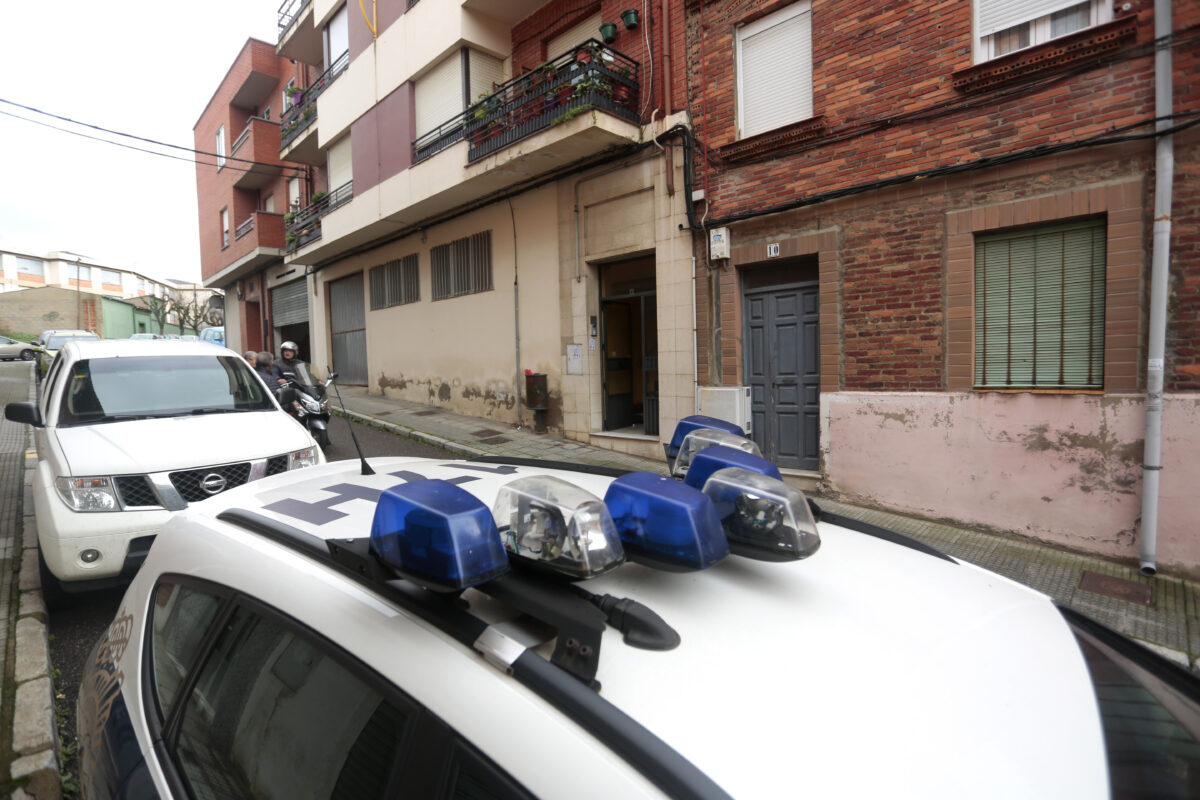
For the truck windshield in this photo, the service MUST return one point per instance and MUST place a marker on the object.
(114, 389)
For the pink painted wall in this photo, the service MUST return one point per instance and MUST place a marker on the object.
(1063, 469)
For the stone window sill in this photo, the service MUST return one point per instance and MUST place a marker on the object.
(773, 141)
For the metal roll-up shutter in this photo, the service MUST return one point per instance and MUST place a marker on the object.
(289, 303)
(348, 328)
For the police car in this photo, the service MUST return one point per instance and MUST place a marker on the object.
(512, 629)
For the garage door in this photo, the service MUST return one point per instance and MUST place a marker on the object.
(289, 303)
(348, 326)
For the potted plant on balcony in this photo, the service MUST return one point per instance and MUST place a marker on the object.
(295, 94)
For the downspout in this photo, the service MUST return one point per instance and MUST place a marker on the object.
(516, 310)
(1164, 173)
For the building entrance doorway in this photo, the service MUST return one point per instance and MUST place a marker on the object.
(780, 316)
(629, 340)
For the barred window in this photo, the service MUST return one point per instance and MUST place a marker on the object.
(395, 283)
(1039, 308)
(463, 266)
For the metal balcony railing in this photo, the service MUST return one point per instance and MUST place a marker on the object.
(589, 76)
(304, 226)
(288, 12)
(244, 228)
(304, 105)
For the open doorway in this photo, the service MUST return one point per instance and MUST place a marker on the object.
(629, 337)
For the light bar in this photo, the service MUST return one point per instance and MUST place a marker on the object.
(711, 459)
(548, 522)
(700, 438)
(689, 424)
(437, 535)
(763, 518)
(665, 524)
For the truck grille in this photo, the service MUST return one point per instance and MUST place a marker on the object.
(135, 491)
(192, 484)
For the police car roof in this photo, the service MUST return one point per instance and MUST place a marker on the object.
(869, 669)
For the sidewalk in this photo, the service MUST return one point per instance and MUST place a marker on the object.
(1160, 612)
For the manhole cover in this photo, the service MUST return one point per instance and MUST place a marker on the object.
(425, 413)
(485, 433)
(494, 440)
(1119, 588)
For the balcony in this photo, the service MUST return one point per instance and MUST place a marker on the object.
(592, 76)
(257, 242)
(297, 133)
(299, 36)
(304, 226)
(256, 143)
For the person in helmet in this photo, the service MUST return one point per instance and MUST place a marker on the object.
(289, 357)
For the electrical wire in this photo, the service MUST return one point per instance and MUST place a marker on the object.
(227, 159)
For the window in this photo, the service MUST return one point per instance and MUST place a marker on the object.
(395, 283)
(1039, 308)
(220, 147)
(1005, 26)
(182, 616)
(30, 266)
(774, 70)
(79, 273)
(224, 228)
(463, 266)
(111, 277)
(336, 37)
(294, 193)
(286, 101)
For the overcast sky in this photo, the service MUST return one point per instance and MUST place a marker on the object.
(135, 66)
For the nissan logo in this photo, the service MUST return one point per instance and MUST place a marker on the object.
(212, 483)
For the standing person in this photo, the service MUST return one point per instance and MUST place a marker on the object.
(267, 370)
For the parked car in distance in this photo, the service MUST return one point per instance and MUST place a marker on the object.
(448, 629)
(14, 348)
(128, 432)
(147, 336)
(216, 335)
(51, 341)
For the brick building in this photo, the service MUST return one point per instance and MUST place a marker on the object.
(244, 190)
(939, 222)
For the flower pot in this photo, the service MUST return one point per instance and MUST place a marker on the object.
(608, 32)
(583, 55)
(630, 18)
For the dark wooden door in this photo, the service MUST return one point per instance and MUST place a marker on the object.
(783, 375)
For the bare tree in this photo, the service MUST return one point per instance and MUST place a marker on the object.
(160, 308)
(191, 311)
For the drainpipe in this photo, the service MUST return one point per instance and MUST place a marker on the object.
(1164, 173)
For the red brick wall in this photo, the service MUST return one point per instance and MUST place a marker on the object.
(883, 88)
(215, 188)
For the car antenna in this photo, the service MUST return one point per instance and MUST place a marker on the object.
(366, 468)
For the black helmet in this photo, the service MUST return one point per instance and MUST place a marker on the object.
(289, 346)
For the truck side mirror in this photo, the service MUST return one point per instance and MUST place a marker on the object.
(26, 413)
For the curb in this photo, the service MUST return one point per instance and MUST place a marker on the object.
(420, 436)
(37, 760)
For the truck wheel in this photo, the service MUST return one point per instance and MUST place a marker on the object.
(52, 592)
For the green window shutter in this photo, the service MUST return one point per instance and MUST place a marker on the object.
(1039, 308)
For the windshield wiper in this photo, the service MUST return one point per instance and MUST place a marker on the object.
(213, 410)
(115, 418)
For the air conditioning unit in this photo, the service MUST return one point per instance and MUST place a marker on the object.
(730, 403)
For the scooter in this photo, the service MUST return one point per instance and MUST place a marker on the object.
(305, 399)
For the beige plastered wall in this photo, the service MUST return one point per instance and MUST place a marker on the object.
(626, 211)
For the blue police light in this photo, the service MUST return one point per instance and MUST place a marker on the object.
(664, 524)
(764, 518)
(689, 424)
(711, 459)
(437, 535)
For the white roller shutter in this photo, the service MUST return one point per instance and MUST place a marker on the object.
(289, 303)
(581, 31)
(338, 163)
(993, 16)
(774, 86)
(438, 94)
(487, 71)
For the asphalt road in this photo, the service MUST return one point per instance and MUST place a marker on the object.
(75, 630)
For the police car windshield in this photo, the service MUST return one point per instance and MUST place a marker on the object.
(113, 389)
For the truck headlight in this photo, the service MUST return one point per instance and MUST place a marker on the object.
(302, 458)
(88, 494)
